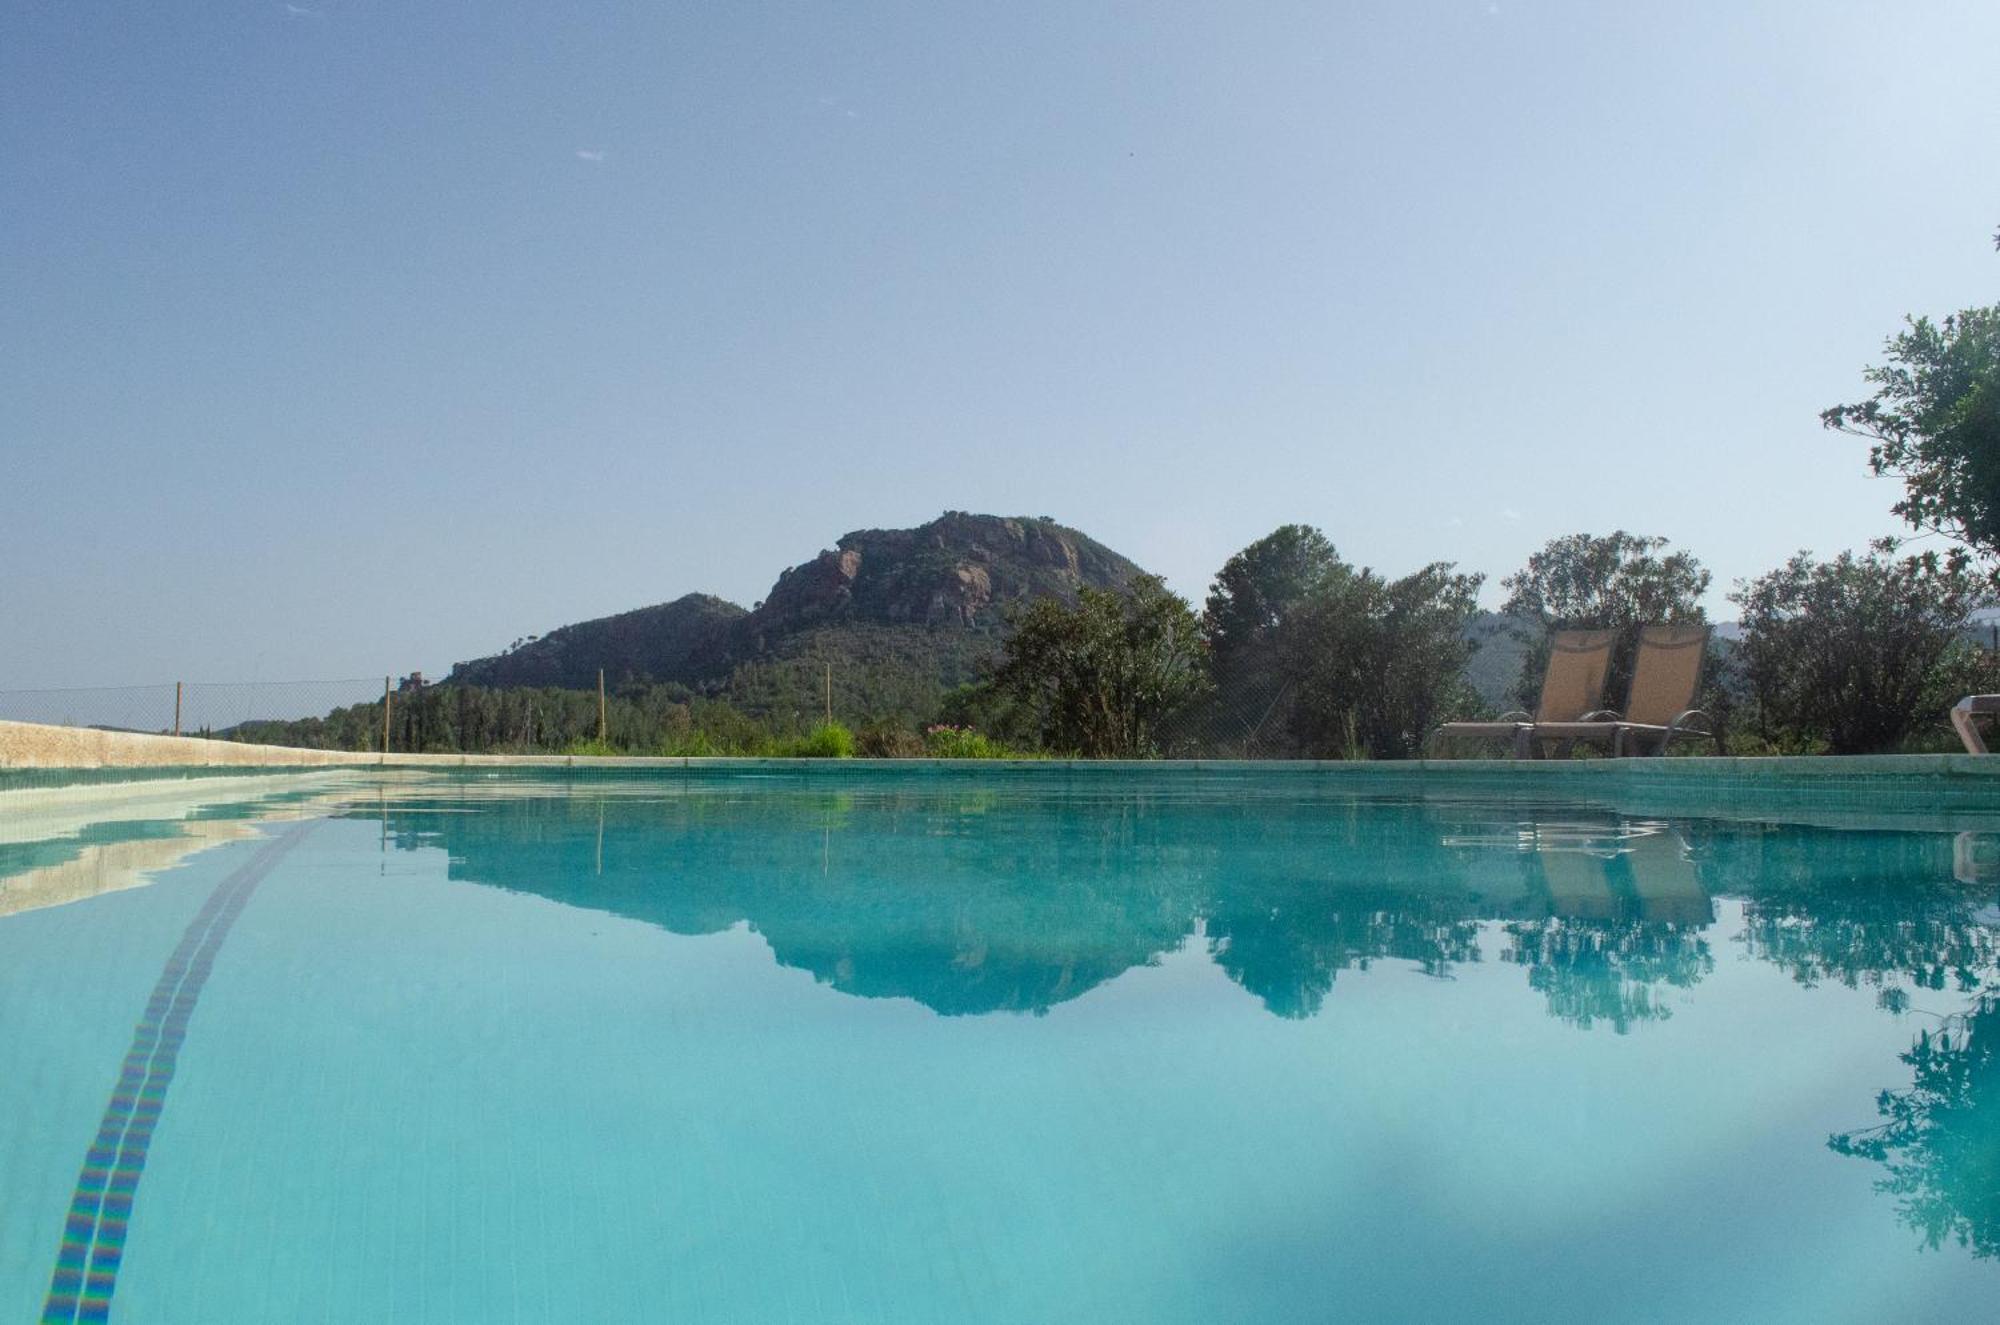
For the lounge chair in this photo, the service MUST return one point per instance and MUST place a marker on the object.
(1572, 688)
(1660, 706)
(1964, 716)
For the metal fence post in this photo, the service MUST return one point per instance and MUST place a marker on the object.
(600, 706)
(385, 715)
(177, 708)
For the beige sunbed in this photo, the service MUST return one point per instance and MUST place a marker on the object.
(1572, 688)
(1661, 704)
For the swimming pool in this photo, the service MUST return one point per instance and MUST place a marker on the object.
(1033, 1047)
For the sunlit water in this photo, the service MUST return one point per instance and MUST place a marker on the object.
(1009, 1049)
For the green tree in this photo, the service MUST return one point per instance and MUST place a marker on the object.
(1105, 677)
(1617, 581)
(1254, 600)
(1257, 591)
(1934, 422)
(1313, 656)
(1377, 664)
(1857, 651)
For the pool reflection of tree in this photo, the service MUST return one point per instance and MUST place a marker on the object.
(878, 895)
(1285, 941)
(1940, 1137)
(1893, 912)
(1861, 909)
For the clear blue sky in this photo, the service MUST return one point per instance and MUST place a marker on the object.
(343, 338)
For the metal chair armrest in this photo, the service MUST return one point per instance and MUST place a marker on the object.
(1680, 722)
(1683, 725)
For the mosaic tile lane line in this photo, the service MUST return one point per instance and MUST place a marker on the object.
(93, 1242)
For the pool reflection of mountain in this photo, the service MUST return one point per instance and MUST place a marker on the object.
(975, 901)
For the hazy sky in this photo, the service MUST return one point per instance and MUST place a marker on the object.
(343, 338)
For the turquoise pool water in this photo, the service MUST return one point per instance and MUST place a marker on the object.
(1019, 1049)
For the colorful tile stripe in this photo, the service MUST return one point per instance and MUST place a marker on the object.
(93, 1243)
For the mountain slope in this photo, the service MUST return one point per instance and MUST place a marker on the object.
(657, 642)
(902, 613)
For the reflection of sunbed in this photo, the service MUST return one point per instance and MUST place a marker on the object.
(1578, 886)
(1975, 857)
(1572, 688)
(1665, 881)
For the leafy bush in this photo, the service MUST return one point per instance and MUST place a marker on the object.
(1858, 652)
(829, 740)
(946, 742)
(888, 740)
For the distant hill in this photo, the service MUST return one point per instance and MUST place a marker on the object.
(649, 643)
(900, 615)
(1496, 662)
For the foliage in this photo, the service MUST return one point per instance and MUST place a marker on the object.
(1617, 581)
(888, 740)
(642, 720)
(1934, 422)
(1103, 677)
(1857, 651)
(1315, 657)
(942, 741)
(882, 739)
(829, 740)
(1378, 664)
(1252, 604)
(900, 673)
(1256, 592)
(983, 706)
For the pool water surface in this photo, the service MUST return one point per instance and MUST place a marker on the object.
(1020, 1049)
